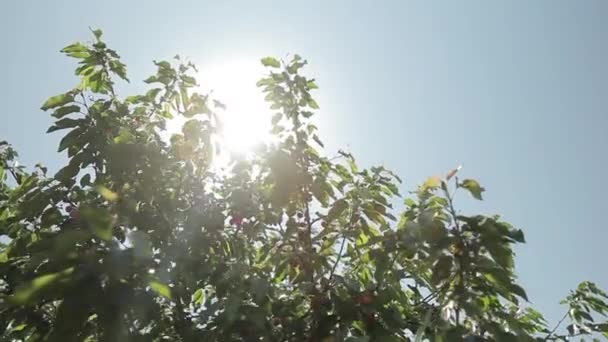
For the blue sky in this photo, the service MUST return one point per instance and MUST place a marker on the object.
(513, 90)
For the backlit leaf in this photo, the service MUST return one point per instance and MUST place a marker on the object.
(106, 193)
(29, 291)
(270, 62)
(473, 186)
(198, 297)
(160, 289)
(76, 50)
(313, 104)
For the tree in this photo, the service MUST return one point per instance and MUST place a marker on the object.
(140, 238)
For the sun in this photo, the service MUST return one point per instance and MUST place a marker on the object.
(246, 119)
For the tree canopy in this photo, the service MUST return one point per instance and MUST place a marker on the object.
(140, 237)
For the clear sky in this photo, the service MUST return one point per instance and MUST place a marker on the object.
(516, 91)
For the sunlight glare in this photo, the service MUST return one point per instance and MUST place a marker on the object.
(246, 119)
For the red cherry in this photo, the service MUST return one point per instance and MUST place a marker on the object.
(365, 299)
(236, 220)
(370, 319)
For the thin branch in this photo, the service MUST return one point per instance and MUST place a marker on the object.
(315, 220)
(452, 210)
(309, 246)
(436, 292)
(556, 326)
(461, 264)
(84, 102)
(333, 269)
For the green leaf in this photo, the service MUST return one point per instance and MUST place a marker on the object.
(152, 93)
(311, 85)
(337, 209)
(85, 180)
(317, 140)
(473, 186)
(29, 291)
(358, 339)
(317, 188)
(70, 139)
(57, 100)
(19, 328)
(518, 290)
(382, 264)
(76, 50)
(160, 289)
(151, 79)
(198, 297)
(276, 118)
(517, 235)
(506, 337)
(119, 69)
(189, 80)
(265, 82)
(63, 111)
(65, 123)
(67, 172)
(51, 216)
(163, 64)
(409, 202)
(193, 129)
(313, 104)
(100, 221)
(97, 33)
(124, 136)
(500, 252)
(353, 165)
(271, 62)
(442, 269)
(431, 183)
(106, 193)
(219, 104)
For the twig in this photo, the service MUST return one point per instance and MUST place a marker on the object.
(84, 102)
(309, 246)
(436, 292)
(315, 220)
(444, 186)
(556, 326)
(333, 269)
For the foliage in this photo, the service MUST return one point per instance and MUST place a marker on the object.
(140, 238)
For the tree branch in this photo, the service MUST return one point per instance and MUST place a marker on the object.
(556, 326)
(333, 269)
(461, 264)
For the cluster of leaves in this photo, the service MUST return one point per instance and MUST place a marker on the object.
(140, 238)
